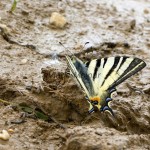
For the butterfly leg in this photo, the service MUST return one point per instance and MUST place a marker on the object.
(91, 108)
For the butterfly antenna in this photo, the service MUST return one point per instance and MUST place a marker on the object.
(65, 48)
(69, 50)
(85, 44)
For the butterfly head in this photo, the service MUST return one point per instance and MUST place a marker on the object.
(95, 100)
(100, 104)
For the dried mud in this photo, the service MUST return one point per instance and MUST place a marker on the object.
(34, 72)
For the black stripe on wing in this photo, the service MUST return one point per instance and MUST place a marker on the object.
(123, 61)
(116, 61)
(82, 73)
(98, 63)
(135, 66)
(105, 60)
(87, 64)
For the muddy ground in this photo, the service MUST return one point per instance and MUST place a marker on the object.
(33, 75)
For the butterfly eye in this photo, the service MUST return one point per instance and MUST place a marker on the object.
(94, 102)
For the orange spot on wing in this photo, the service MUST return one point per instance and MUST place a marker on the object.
(95, 98)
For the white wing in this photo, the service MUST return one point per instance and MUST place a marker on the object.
(106, 73)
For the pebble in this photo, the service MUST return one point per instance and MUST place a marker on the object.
(146, 11)
(133, 23)
(57, 20)
(6, 29)
(25, 12)
(4, 135)
(24, 61)
(10, 130)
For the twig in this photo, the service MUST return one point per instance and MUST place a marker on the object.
(18, 121)
(58, 123)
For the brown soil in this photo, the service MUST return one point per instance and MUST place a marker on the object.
(33, 72)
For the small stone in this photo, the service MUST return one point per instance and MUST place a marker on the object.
(147, 89)
(5, 29)
(31, 21)
(126, 45)
(25, 77)
(111, 133)
(24, 61)
(4, 135)
(25, 12)
(10, 130)
(57, 20)
(124, 147)
(29, 87)
(133, 24)
(98, 133)
(94, 52)
(146, 11)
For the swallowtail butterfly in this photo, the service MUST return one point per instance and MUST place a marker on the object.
(99, 77)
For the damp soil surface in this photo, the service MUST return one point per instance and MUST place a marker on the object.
(42, 105)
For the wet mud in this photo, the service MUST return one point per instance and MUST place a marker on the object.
(34, 75)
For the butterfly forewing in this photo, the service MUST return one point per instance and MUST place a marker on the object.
(79, 71)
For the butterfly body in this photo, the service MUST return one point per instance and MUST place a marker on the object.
(99, 77)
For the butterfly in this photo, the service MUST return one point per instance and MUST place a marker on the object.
(98, 78)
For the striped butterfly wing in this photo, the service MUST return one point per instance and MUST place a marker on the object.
(79, 71)
(107, 73)
(99, 77)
